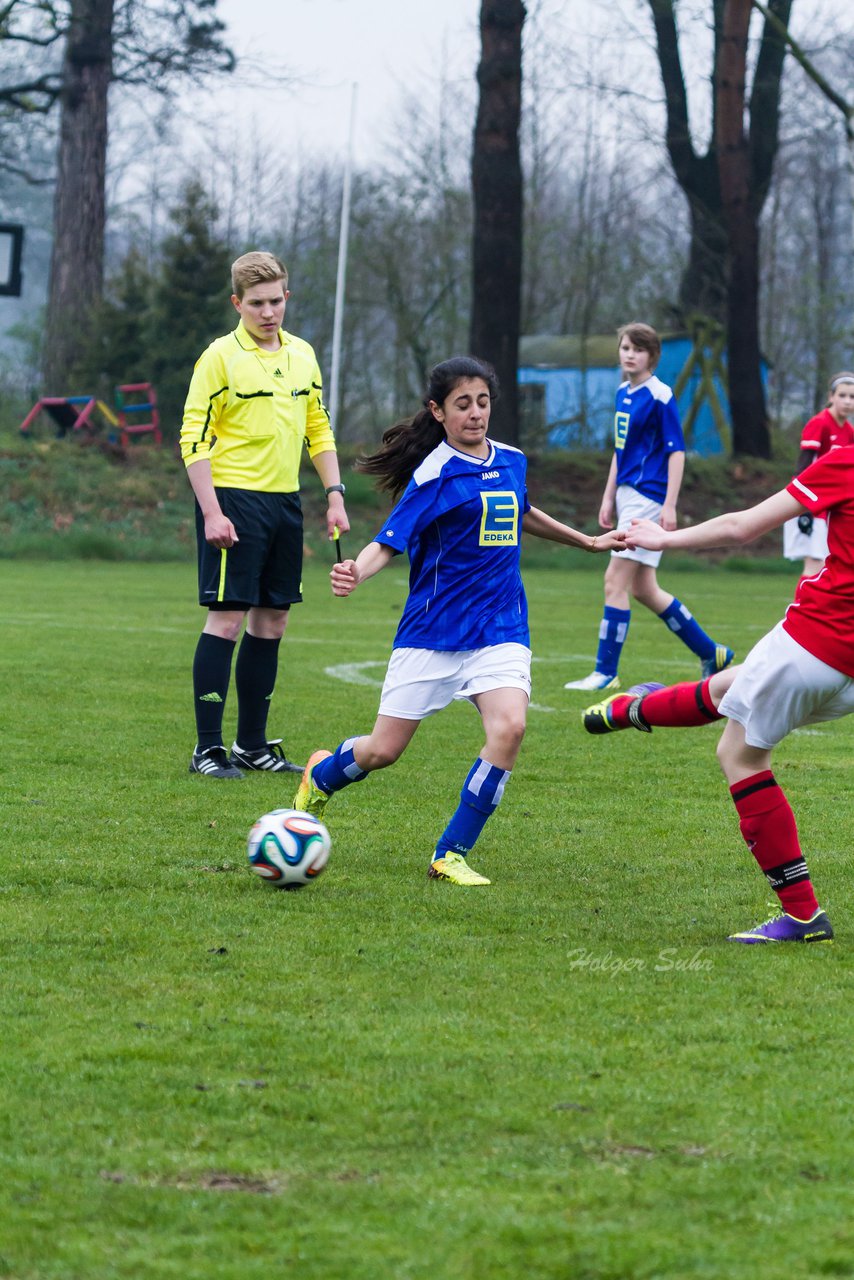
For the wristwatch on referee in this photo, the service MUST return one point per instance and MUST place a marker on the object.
(336, 488)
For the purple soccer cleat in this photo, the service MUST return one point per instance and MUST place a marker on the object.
(785, 928)
(641, 690)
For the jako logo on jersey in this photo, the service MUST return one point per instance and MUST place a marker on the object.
(621, 429)
(499, 526)
(489, 475)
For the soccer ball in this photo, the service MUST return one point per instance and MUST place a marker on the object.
(288, 848)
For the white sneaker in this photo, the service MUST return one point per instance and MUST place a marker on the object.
(594, 681)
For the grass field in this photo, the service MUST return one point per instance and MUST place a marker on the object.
(569, 1075)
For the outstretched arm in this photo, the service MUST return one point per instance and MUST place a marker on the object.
(732, 530)
(541, 525)
(370, 560)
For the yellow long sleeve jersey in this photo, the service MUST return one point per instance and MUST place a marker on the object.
(250, 411)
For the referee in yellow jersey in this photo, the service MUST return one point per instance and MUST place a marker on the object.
(255, 398)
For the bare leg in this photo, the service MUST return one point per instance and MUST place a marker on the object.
(737, 760)
(504, 713)
(385, 744)
(647, 591)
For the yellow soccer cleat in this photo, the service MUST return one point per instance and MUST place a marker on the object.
(600, 719)
(309, 798)
(597, 719)
(454, 867)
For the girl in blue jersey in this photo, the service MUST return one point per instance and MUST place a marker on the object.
(643, 483)
(462, 505)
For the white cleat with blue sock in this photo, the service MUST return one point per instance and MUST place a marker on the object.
(595, 681)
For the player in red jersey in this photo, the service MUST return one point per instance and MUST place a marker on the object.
(802, 672)
(806, 537)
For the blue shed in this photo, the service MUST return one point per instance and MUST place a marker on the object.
(567, 390)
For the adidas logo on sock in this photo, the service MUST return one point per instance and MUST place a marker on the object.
(636, 716)
(210, 697)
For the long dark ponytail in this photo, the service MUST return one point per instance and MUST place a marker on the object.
(407, 443)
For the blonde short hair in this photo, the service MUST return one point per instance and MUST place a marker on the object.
(644, 337)
(258, 267)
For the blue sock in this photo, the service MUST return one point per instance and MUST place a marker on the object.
(338, 770)
(479, 798)
(613, 630)
(684, 625)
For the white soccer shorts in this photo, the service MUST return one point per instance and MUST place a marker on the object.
(420, 682)
(797, 545)
(632, 505)
(780, 687)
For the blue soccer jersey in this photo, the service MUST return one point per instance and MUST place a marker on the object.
(646, 431)
(459, 520)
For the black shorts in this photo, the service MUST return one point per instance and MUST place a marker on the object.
(265, 567)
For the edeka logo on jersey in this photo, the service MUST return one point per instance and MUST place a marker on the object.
(621, 429)
(499, 525)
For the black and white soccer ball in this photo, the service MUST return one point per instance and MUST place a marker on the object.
(287, 848)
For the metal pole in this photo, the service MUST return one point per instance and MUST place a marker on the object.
(338, 321)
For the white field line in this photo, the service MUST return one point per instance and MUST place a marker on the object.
(356, 673)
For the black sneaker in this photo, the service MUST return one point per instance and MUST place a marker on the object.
(269, 759)
(214, 762)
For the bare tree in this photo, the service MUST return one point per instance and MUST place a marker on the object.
(703, 286)
(79, 209)
(136, 42)
(727, 187)
(742, 197)
(497, 192)
(842, 104)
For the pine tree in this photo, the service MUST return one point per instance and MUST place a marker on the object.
(118, 346)
(190, 300)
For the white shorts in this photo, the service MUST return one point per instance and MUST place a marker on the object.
(780, 687)
(632, 505)
(797, 545)
(420, 682)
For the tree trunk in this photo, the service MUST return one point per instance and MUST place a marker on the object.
(703, 288)
(497, 192)
(77, 261)
(726, 189)
(750, 434)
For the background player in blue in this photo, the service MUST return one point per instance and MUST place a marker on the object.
(464, 629)
(643, 483)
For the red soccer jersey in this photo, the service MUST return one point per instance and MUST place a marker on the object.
(823, 433)
(821, 618)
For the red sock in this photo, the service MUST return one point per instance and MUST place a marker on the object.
(677, 706)
(771, 834)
